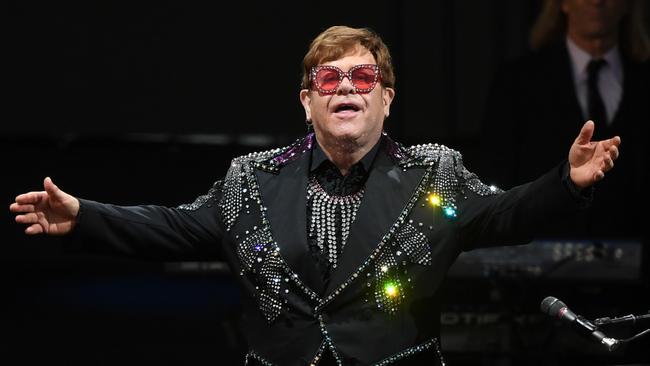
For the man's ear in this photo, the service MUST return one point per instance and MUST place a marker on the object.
(305, 99)
(387, 96)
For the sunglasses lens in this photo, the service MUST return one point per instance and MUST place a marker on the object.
(364, 77)
(327, 79)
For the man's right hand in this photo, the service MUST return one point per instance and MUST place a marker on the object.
(51, 211)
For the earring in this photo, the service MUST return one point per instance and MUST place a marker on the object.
(310, 125)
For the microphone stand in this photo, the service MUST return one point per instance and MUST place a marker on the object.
(612, 343)
(623, 319)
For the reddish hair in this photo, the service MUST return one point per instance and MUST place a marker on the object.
(338, 41)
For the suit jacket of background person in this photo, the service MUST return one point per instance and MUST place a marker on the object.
(532, 114)
(381, 305)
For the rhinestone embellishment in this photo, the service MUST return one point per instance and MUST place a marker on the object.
(202, 200)
(325, 209)
(414, 244)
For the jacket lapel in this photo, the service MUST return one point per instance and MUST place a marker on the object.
(564, 90)
(388, 190)
(285, 197)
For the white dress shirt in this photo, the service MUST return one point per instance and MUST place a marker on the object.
(610, 80)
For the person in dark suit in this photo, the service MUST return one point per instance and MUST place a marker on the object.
(340, 241)
(588, 60)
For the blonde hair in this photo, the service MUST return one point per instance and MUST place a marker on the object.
(338, 41)
(551, 26)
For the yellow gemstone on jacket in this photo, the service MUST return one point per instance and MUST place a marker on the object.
(434, 199)
(390, 289)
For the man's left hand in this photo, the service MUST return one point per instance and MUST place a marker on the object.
(590, 160)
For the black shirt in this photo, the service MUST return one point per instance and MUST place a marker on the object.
(329, 177)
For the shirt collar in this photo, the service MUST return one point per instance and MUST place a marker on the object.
(580, 59)
(318, 156)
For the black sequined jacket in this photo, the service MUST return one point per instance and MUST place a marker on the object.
(420, 209)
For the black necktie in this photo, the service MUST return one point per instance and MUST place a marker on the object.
(595, 105)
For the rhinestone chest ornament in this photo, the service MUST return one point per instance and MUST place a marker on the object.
(331, 234)
(444, 181)
(257, 250)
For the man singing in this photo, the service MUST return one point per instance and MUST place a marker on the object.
(339, 241)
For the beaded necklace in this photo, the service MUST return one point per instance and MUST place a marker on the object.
(326, 209)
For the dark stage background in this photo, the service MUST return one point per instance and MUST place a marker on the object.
(147, 102)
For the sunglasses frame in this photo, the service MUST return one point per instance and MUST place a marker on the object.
(342, 74)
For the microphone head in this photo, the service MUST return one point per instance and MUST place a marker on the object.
(551, 305)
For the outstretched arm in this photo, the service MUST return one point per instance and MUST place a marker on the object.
(51, 211)
(141, 231)
(528, 210)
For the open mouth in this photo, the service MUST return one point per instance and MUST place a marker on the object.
(346, 107)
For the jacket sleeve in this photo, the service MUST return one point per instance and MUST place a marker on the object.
(521, 214)
(152, 232)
